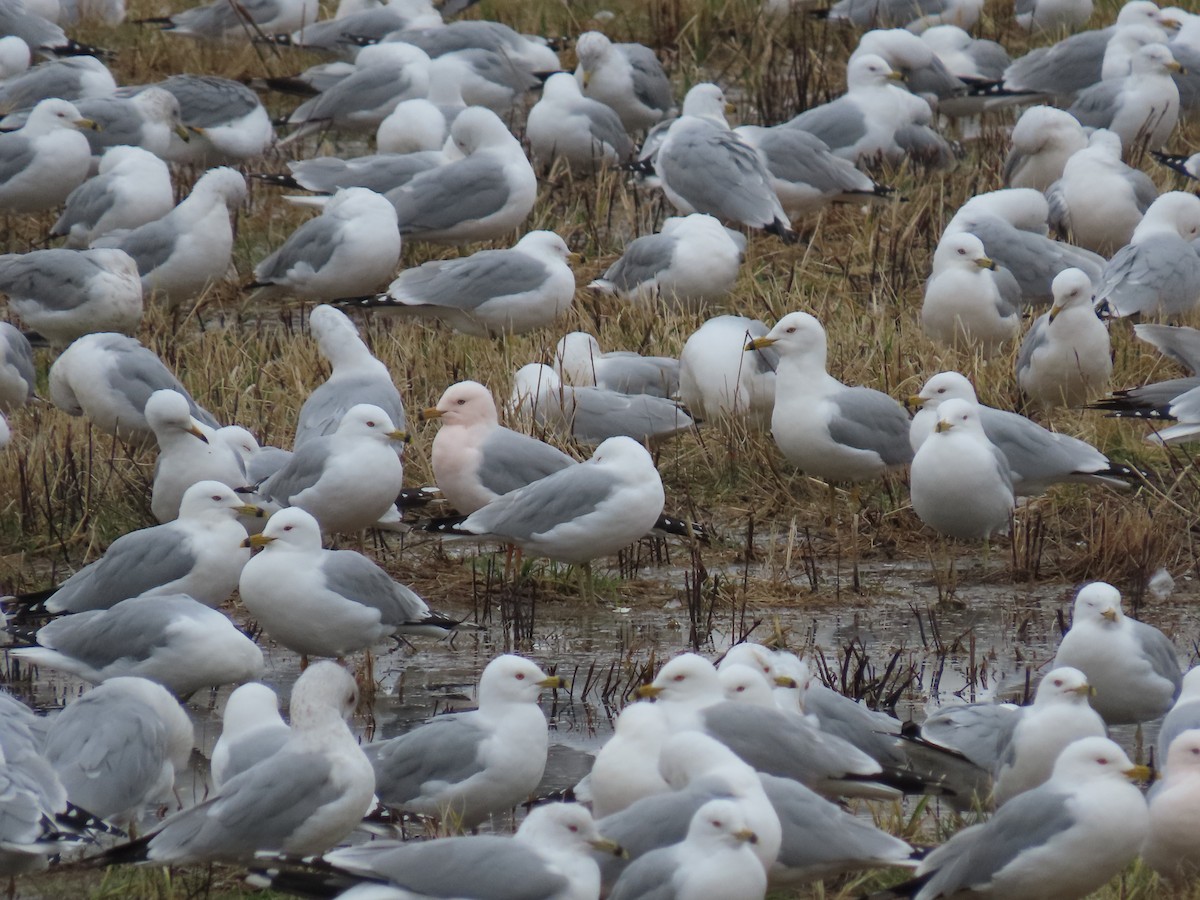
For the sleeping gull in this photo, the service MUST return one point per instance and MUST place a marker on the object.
(119, 747)
(1170, 848)
(1065, 358)
(1158, 272)
(626, 767)
(965, 307)
(414, 126)
(45, 159)
(199, 554)
(1052, 16)
(1141, 107)
(15, 58)
(626, 77)
(133, 187)
(108, 378)
(328, 603)
(191, 246)
(350, 248)
(1065, 838)
(1043, 139)
(228, 123)
(1131, 665)
(168, 638)
(17, 374)
(579, 361)
(251, 730)
(1037, 458)
(300, 801)
(704, 167)
(829, 430)
(1184, 715)
(356, 377)
(718, 378)
(66, 294)
(348, 479)
(591, 414)
(71, 79)
(221, 20)
(691, 262)
(187, 453)
(464, 767)
(960, 482)
(489, 293)
(565, 124)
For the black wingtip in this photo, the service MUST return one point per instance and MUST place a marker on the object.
(74, 48)
(411, 498)
(682, 528)
(290, 85)
(283, 181)
(446, 525)
(1176, 161)
(275, 40)
(359, 40)
(782, 230)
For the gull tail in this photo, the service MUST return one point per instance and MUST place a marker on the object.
(1176, 161)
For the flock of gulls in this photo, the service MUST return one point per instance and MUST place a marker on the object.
(726, 777)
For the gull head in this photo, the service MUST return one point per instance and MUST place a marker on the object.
(1098, 602)
(962, 250)
(291, 528)
(1184, 753)
(168, 411)
(687, 678)
(1063, 685)
(720, 822)
(206, 498)
(477, 128)
(565, 828)
(706, 101)
(514, 679)
(367, 420)
(941, 387)
(870, 70)
(796, 335)
(958, 416)
(1093, 758)
(1071, 288)
(465, 403)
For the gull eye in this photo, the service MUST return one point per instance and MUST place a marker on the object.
(370, 424)
(574, 829)
(740, 688)
(288, 527)
(217, 497)
(1103, 760)
(962, 252)
(461, 402)
(792, 330)
(717, 822)
(678, 678)
(520, 676)
(1058, 682)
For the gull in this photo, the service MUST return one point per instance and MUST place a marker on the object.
(960, 482)
(966, 58)
(133, 187)
(15, 58)
(17, 373)
(626, 77)
(829, 430)
(1066, 838)
(692, 261)
(913, 57)
(414, 126)
(1037, 458)
(1184, 715)
(1065, 358)
(222, 20)
(381, 172)
(326, 602)
(915, 17)
(718, 379)
(704, 167)
(119, 747)
(464, 767)
(591, 414)
(372, 22)
(1099, 200)
(1142, 107)
(579, 361)
(626, 767)
(493, 79)
(71, 79)
(490, 293)
(1131, 665)
(350, 248)
(191, 246)
(148, 120)
(39, 34)
(348, 479)
(199, 554)
(965, 307)
(1159, 270)
(582, 512)
(300, 801)
(356, 377)
(227, 123)
(27, 838)
(565, 124)
(1170, 848)
(108, 378)
(251, 730)
(1052, 16)
(168, 638)
(45, 159)
(1043, 139)
(441, 39)
(187, 453)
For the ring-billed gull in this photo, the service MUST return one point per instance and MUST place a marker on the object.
(691, 262)
(65, 294)
(133, 187)
(1184, 715)
(900, 13)
(1131, 665)
(346, 480)
(1043, 139)
(170, 639)
(28, 839)
(565, 124)
(356, 377)
(199, 554)
(971, 60)
(223, 21)
(191, 246)
(489, 293)
(326, 602)
(1065, 838)
(1059, 715)
(579, 361)
(1037, 458)
(108, 378)
(1143, 106)
(960, 480)
(830, 430)
(17, 374)
(591, 415)
(716, 859)
(71, 79)
(1052, 16)
(1065, 358)
(381, 172)
(531, 52)
(704, 167)
(913, 57)
(1158, 271)
(464, 767)
(300, 801)
(251, 730)
(414, 126)
(1171, 848)
(965, 306)
(148, 120)
(626, 766)
(627, 77)
(717, 378)
(39, 33)
(228, 123)
(1099, 200)
(368, 22)
(487, 78)
(45, 159)
(582, 512)
(350, 248)
(119, 747)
